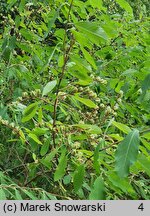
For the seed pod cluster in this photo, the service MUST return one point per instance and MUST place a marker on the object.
(80, 157)
(62, 95)
(101, 80)
(29, 95)
(15, 129)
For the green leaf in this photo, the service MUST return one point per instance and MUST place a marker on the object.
(93, 129)
(61, 61)
(6, 53)
(122, 127)
(40, 115)
(145, 163)
(35, 138)
(67, 179)
(49, 87)
(96, 161)
(78, 177)
(88, 57)
(130, 72)
(2, 194)
(39, 131)
(51, 197)
(29, 112)
(127, 153)
(18, 195)
(125, 5)
(47, 161)
(51, 21)
(92, 31)
(81, 66)
(146, 83)
(98, 190)
(22, 5)
(60, 170)
(146, 136)
(28, 35)
(11, 3)
(85, 101)
(81, 39)
(53, 15)
(29, 194)
(122, 184)
(45, 147)
(97, 4)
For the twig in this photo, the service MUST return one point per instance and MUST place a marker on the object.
(34, 189)
(66, 58)
(103, 149)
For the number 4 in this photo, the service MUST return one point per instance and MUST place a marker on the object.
(141, 207)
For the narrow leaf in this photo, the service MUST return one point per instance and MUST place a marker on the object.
(85, 101)
(127, 153)
(2, 194)
(29, 112)
(78, 177)
(30, 194)
(47, 161)
(45, 147)
(93, 31)
(35, 138)
(145, 163)
(88, 57)
(98, 191)
(120, 183)
(93, 129)
(96, 161)
(146, 83)
(122, 127)
(18, 195)
(49, 87)
(146, 135)
(97, 4)
(60, 170)
(125, 5)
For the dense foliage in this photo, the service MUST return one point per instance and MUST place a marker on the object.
(74, 99)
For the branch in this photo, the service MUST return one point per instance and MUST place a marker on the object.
(66, 52)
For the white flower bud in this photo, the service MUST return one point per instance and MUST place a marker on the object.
(121, 93)
(139, 91)
(38, 91)
(115, 114)
(108, 109)
(19, 98)
(33, 93)
(24, 94)
(93, 143)
(99, 79)
(105, 82)
(92, 121)
(5, 122)
(119, 100)
(12, 125)
(98, 100)
(92, 76)
(81, 122)
(80, 154)
(80, 88)
(102, 105)
(77, 145)
(116, 107)
(94, 95)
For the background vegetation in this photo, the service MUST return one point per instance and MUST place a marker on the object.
(74, 99)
